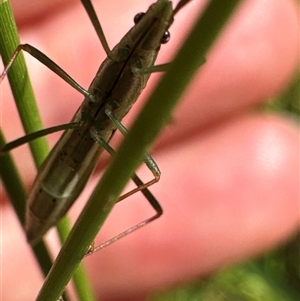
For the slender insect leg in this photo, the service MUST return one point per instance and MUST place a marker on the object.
(152, 69)
(145, 191)
(97, 26)
(149, 160)
(61, 73)
(141, 185)
(49, 63)
(151, 164)
(157, 68)
(154, 203)
(25, 139)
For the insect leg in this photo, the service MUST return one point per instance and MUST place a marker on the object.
(96, 23)
(152, 69)
(151, 164)
(157, 68)
(60, 72)
(47, 62)
(145, 191)
(25, 139)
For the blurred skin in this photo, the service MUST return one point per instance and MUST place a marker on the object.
(230, 174)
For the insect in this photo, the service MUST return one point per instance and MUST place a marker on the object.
(118, 83)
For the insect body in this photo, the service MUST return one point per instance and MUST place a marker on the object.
(116, 86)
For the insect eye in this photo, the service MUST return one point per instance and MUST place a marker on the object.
(137, 18)
(166, 37)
